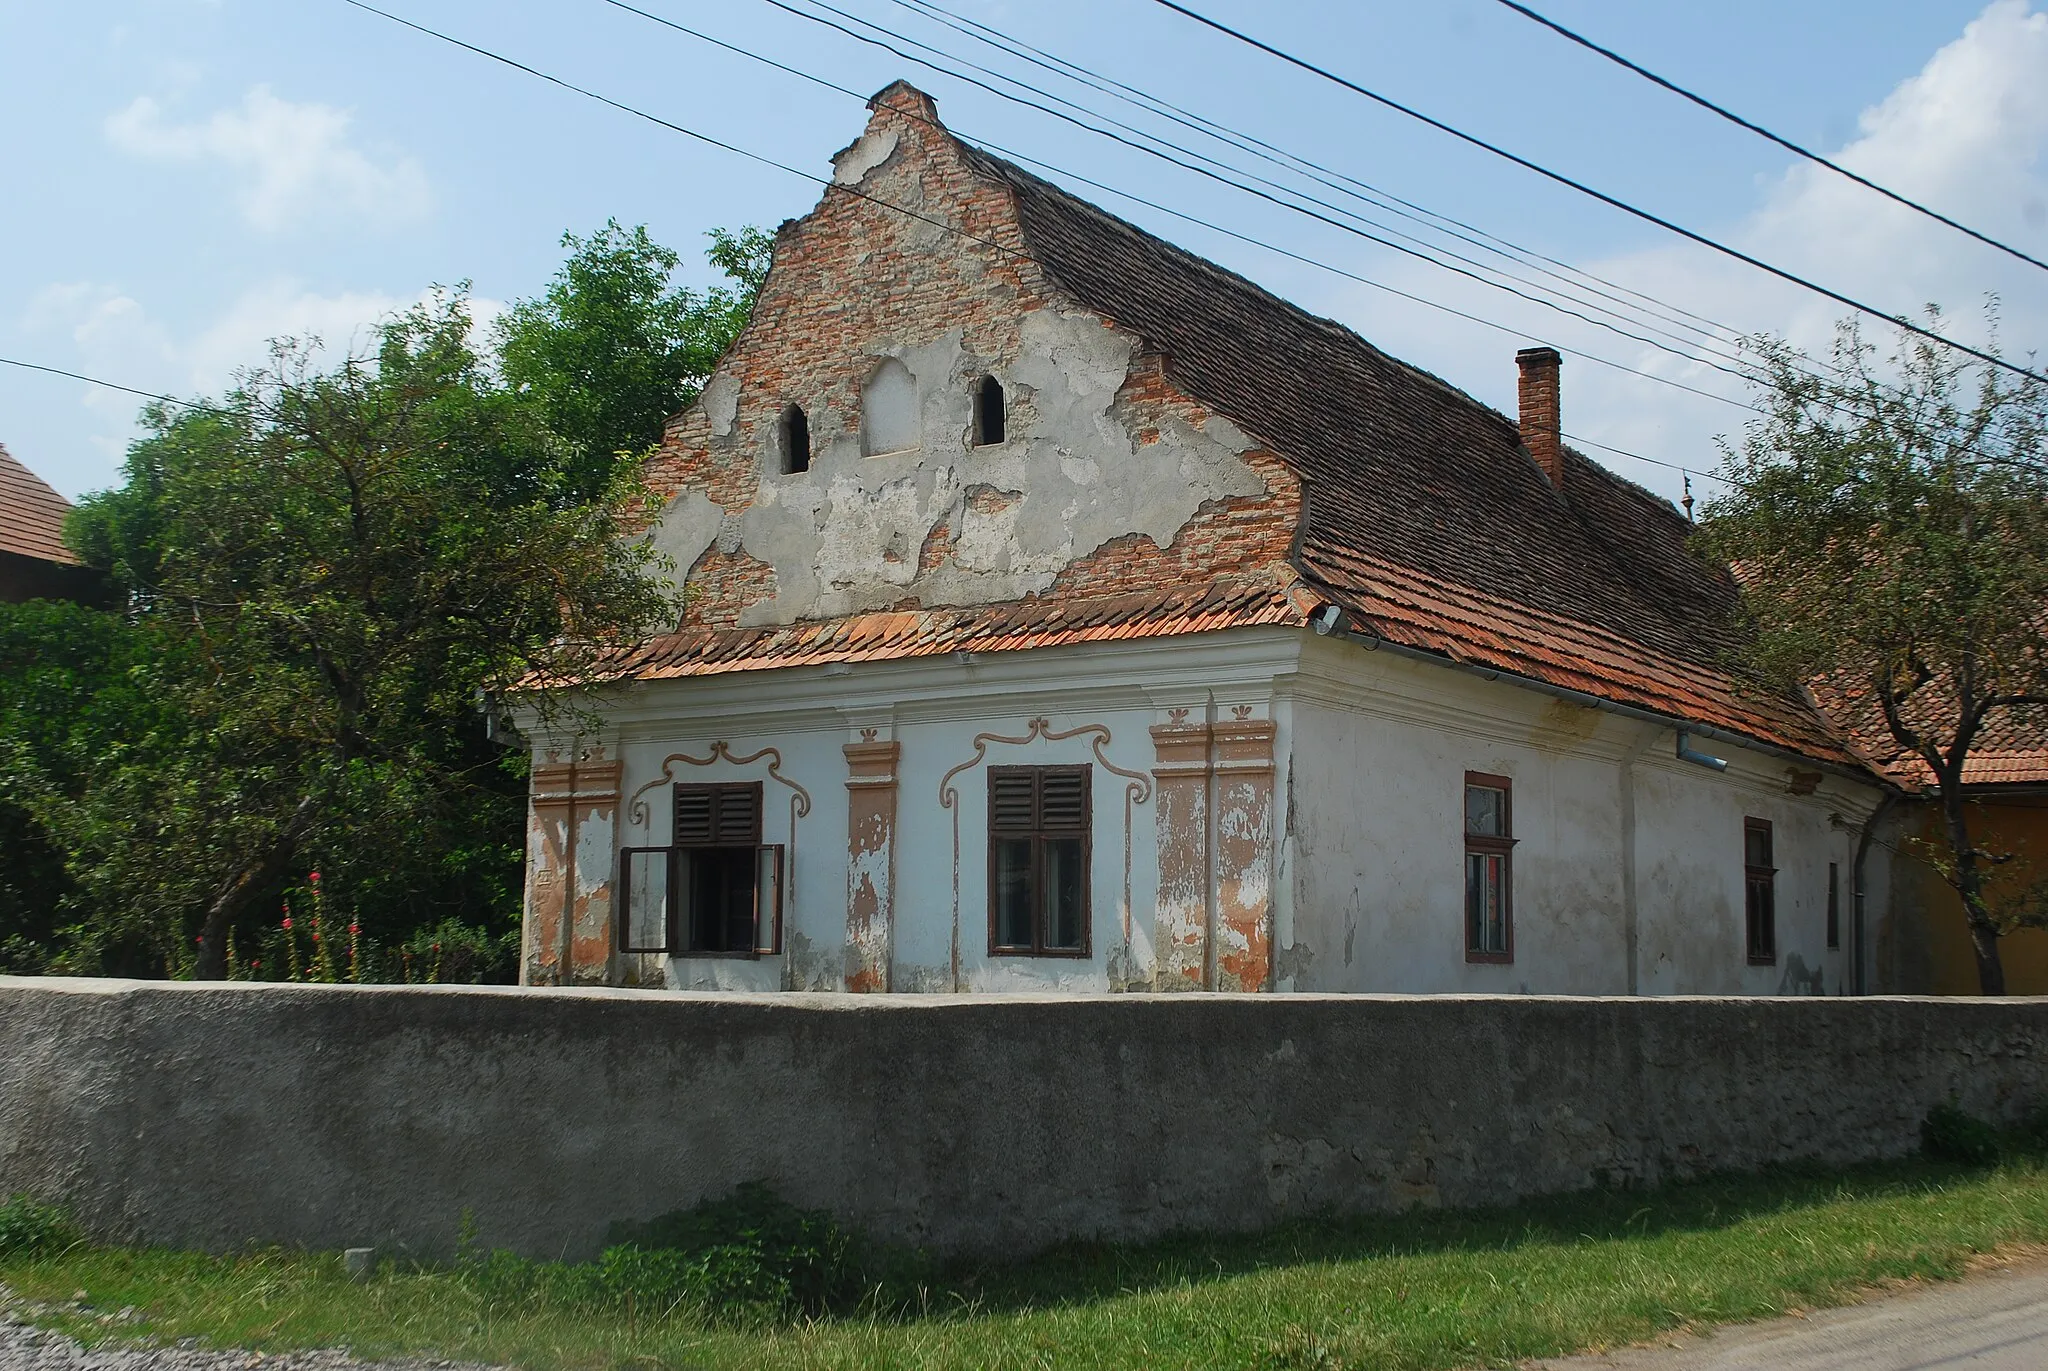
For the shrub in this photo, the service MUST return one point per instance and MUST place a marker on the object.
(29, 1229)
(751, 1251)
(1947, 1134)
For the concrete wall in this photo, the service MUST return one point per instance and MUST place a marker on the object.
(217, 1115)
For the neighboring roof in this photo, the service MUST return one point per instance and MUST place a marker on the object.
(31, 514)
(2011, 746)
(971, 628)
(1426, 518)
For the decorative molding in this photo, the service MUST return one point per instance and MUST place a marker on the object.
(799, 806)
(1137, 791)
(799, 801)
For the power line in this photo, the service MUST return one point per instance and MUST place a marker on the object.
(1028, 160)
(200, 405)
(1762, 132)
(1338, 224)
(1898, 321)
(1341, 182)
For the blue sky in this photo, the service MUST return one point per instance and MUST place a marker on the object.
(185, 178)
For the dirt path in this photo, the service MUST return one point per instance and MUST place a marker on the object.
(1994, 1321)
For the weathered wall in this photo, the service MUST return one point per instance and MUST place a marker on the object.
(1108, 479)
(326, 1115)
(1628, 864)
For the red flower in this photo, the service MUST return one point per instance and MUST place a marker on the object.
(287, 921)
(354, 929)
(255, 966)
(316, 937)
(313, 876)
(201, 940)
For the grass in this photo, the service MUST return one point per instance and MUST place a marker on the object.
(1420, 1290)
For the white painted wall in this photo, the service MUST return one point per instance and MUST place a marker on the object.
(1376, 842)
(1371, 754)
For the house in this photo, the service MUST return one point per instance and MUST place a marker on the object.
(1064, 612)
(34, 563)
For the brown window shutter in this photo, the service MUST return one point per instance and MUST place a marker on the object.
(1011, 801)
(1063, 799)
(695, 806)
(739, 815)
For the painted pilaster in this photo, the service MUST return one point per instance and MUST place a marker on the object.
(871, 786)
(1243, 790)
(1180, 773)
(571, 837)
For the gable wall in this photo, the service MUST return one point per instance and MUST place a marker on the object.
(1110, 479)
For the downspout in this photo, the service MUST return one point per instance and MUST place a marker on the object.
(1856, 933)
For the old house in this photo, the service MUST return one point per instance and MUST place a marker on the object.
(1065, 612)
(34, 563)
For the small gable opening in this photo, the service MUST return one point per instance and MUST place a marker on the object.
(888, 410)
(793, 440)
(988, 412)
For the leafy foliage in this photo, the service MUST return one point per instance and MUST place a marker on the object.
(1889, 521)
(750, 1257)
(1948, 1134)
(613, 347)
(31, 1229)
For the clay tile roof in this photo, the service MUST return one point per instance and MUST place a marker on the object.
(31, 514)
(2011, 746)
(704, 651)
(1427, 519)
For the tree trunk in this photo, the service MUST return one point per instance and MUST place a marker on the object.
(243, 886)
(1970, 886)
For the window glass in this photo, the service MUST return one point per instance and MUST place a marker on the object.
(1485, 812)
(719, 887)
(1756, 842)
(1064, 882)
(1485, 902)
(647, 898)
(1012, 885)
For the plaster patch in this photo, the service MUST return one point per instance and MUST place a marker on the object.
(865, 153)
(721, 401)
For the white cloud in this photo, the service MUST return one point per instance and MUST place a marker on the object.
(1965, 135)
(112, 334)
(296, 160)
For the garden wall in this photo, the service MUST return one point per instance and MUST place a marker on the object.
(332, 1116)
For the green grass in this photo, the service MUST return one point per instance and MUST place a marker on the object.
(1456, 1289)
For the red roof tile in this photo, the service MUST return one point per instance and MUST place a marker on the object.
(31, 514)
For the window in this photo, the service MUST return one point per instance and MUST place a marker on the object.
(888, 410)
(1834, 906)
(1038, 860)
(988, 412)
(1489, 869)
(1760, 914)
(716, 891)
(793, 440)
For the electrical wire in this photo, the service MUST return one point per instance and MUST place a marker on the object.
(199, 405)
(1341, 182)
(1647, 216)
(1760, 131)
(1722, 364)
(1181, 215)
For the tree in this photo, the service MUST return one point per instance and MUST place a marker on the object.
(1888, 520)
(329, 567)
(612, 348)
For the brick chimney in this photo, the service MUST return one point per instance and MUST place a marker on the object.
(1540, 415)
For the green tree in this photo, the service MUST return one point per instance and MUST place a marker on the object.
(1889, 522)
(329, 567)
(613, 347)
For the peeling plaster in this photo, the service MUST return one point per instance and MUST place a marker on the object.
(845, 536)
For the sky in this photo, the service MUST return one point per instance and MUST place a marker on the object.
(184, 179)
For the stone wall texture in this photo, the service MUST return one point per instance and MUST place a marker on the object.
(213, 1116)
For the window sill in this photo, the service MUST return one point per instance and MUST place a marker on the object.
(1490, 958)
(1049, 954)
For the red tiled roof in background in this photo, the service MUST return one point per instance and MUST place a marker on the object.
(31, 514)
(2011, 746)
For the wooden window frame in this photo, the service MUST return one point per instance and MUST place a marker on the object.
(1038, 834)
(1760, 952)
(1502, 846)
(675, 937)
